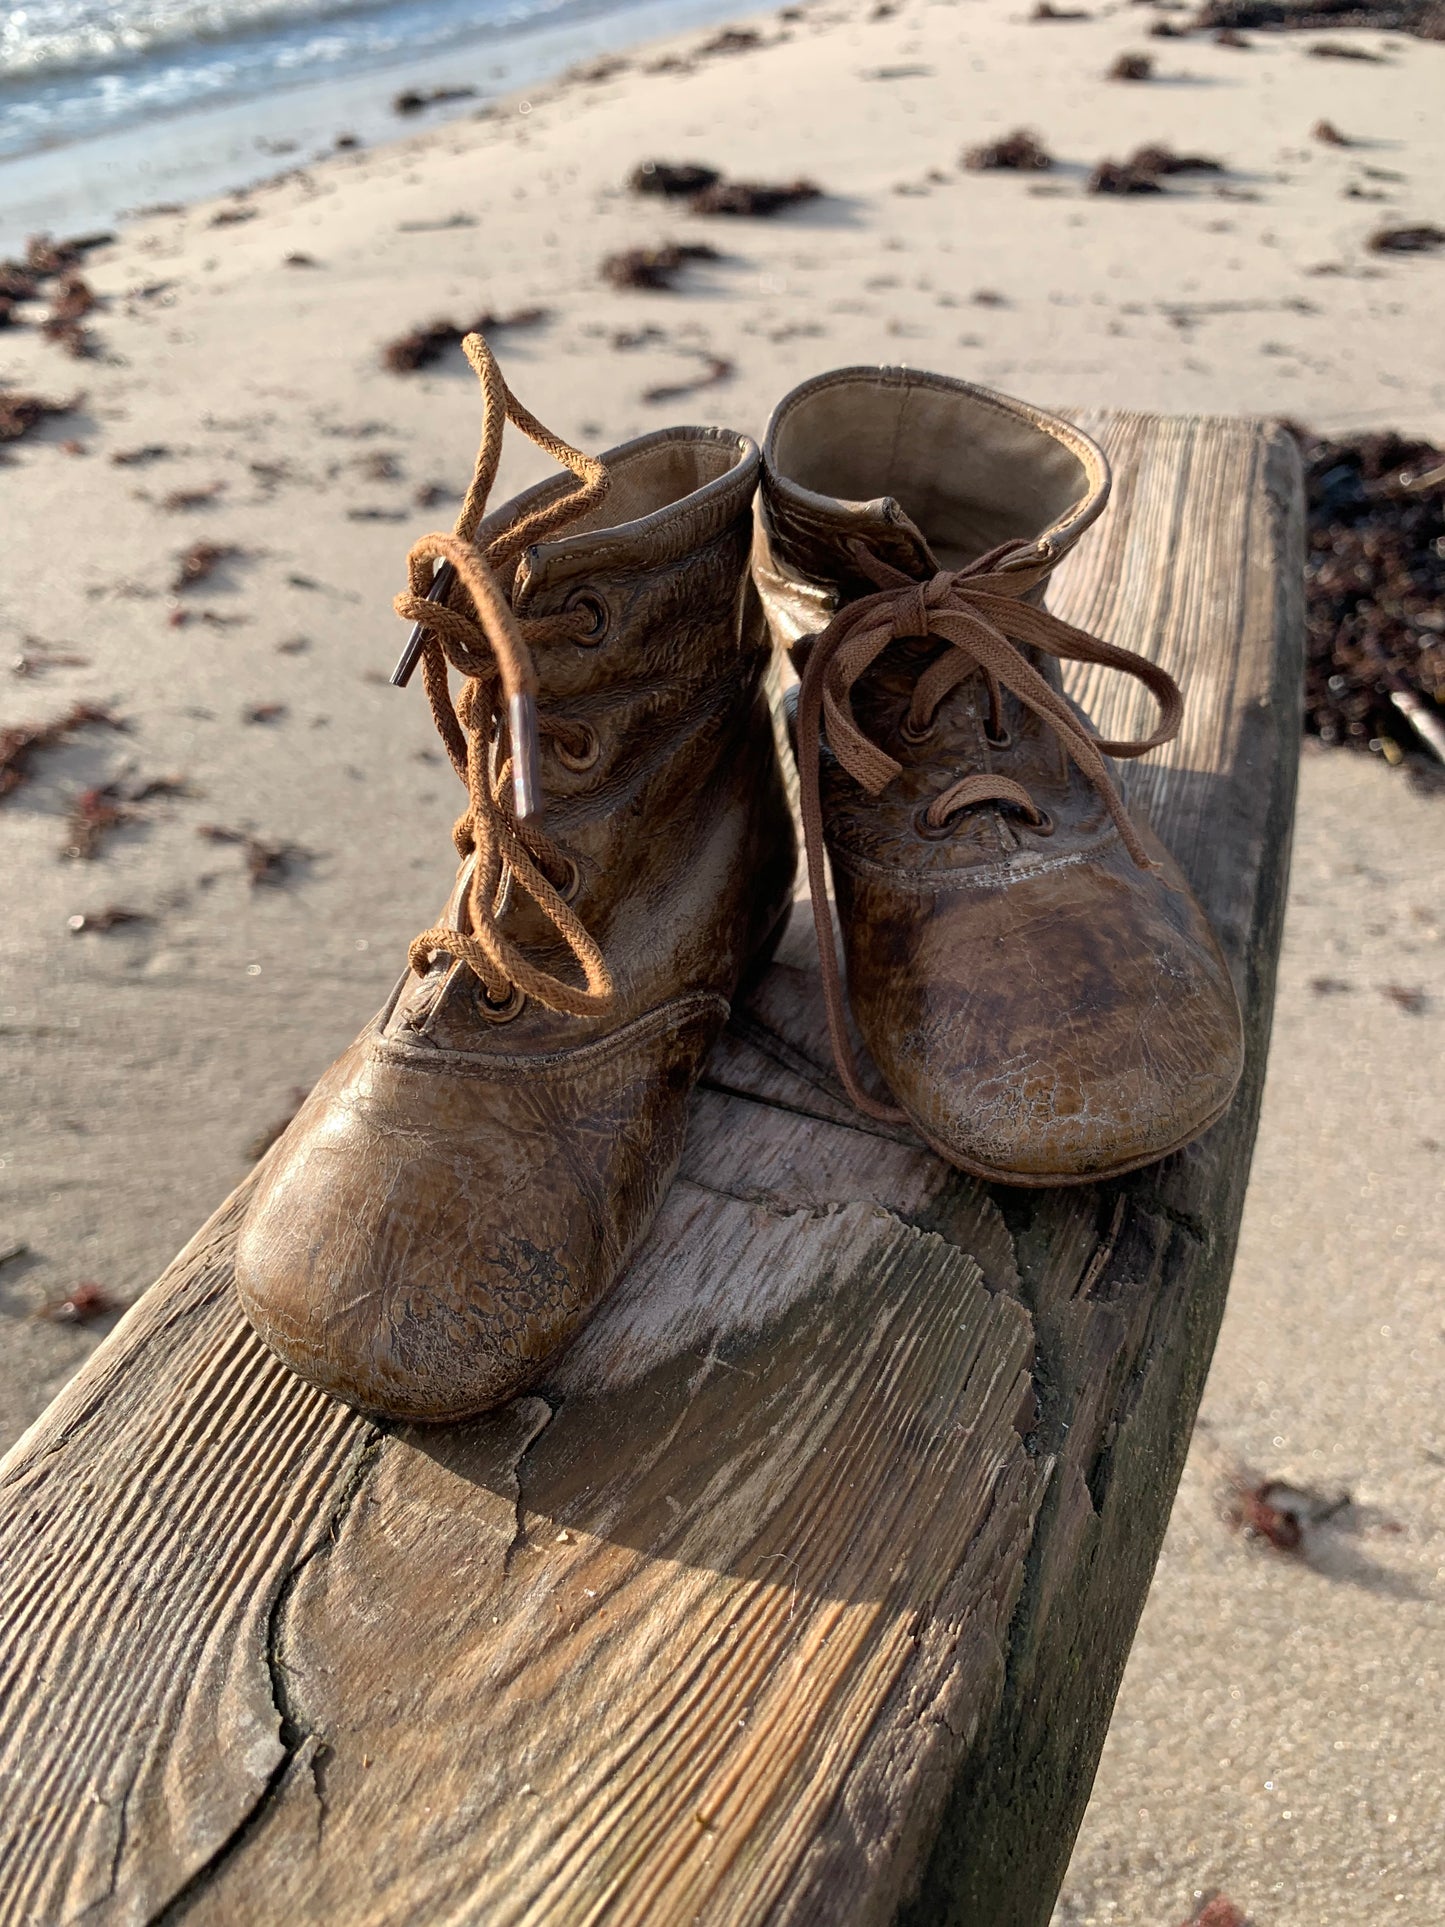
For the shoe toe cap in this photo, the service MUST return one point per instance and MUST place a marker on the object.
(375, 1274)
(1038, 1118)
(433, 1227)
(1095, 1040)
(414, 1267)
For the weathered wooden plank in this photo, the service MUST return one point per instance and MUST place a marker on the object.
(803, 1582)
(696, 1561)
(709, 1564)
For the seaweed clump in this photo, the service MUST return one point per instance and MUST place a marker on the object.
(1425, 19)
(1020, 152)
(656, 268)
(1375, 589)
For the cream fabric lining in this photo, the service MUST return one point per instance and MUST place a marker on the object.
(650, 479)
(969, 475)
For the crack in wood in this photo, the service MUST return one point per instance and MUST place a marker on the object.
(301, 1747)
(1094, 1270)
(863, 1127)
(775, 1201)
(121, 1822)
(176, 1907)
(551, 1406)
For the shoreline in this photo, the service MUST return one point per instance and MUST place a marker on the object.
(206, 149)
(1311, 326)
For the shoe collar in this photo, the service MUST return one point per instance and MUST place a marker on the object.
(929, 471)
(672, 492)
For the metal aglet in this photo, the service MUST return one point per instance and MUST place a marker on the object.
(441, 584)
(526, 748)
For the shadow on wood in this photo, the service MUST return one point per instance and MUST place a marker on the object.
(800, 1587)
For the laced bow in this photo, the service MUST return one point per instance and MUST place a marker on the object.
(979, 610)
(466, 622)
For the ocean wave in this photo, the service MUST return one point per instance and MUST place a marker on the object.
(71, 68)
(50, 37)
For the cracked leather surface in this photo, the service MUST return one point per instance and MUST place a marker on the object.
(1044, 1010)
(458, 1191)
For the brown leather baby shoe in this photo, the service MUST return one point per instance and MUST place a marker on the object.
(1025, 963)
(468, 1179)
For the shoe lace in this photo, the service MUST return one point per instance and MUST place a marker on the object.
(466, 622)
(979, 610)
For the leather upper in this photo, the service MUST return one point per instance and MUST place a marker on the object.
(1043, 1009)
(464, 1183)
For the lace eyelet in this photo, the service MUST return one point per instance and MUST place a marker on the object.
(569, 886)
(596, 610)
(1004, 739)
(931, 832)
(504, 1012)
(1043, 827)
(912, 734)
(576, 761)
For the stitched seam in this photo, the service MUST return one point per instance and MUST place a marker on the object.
(973, 877)
(513, 1069)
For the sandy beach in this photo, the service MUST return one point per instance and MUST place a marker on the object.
(1277, 1737)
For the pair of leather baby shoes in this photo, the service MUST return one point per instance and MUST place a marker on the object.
(1025, 964)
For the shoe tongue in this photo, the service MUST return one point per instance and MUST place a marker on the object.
(418, 997)
(814, 536)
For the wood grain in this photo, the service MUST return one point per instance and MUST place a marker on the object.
(800, 1588)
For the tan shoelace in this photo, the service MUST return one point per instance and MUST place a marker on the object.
(475, 631)
(980, 611)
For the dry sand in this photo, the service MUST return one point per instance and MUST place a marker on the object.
(1278, 1733)
(1277, 1736)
